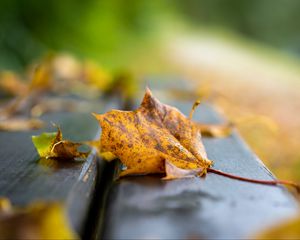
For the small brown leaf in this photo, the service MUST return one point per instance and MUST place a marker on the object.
(20, 124)
(52, 145)
(67, 150)
(215, 130)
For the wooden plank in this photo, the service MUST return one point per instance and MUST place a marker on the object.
(215, 207)
(24, 178)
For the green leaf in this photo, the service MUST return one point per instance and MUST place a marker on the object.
(52, 145)
(44, 142)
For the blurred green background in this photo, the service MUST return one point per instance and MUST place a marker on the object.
(103, 30)
(114, 31)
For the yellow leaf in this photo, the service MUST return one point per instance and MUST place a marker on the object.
(108, 156)
(20, 124)
(145, 138)
(287, 230)
(95, 76)
(5, 205)
(157, 138)
(215, 130)
(11, 84)
(42, 76)
(39, 220)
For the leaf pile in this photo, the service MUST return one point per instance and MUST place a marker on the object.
(57, 77)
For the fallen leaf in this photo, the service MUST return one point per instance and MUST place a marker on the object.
(145, 138)
(42, 76)
(20, 124)
(108, 156)
(96, 144)
(44, 142)
(23, 103)
(5, 205)
(124, 86)
(157, 138)
(215, 130)
(49, 105)
(11, 84)
(12, 108)
(287, 230)
(52, 145)
(95, 76)
(39, 220)
(212, 130)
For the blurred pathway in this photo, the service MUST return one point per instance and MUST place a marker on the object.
(251, 83)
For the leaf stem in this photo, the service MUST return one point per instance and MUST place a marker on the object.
(265, 182)
(195, 105)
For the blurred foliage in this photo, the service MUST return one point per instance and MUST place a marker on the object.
(34, 221)
(103, 30)
(112, 31)
(269, 21)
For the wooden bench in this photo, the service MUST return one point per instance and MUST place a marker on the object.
(145, 206)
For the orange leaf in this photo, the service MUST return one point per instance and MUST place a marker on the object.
(145, 138)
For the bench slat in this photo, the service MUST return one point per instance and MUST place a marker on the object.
(215, 207)
(24, 178)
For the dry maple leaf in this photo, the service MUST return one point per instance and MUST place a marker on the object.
(145, 138)
(158, 138)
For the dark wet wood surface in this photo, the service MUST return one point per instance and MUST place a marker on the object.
(145, 207)
(25, 178)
